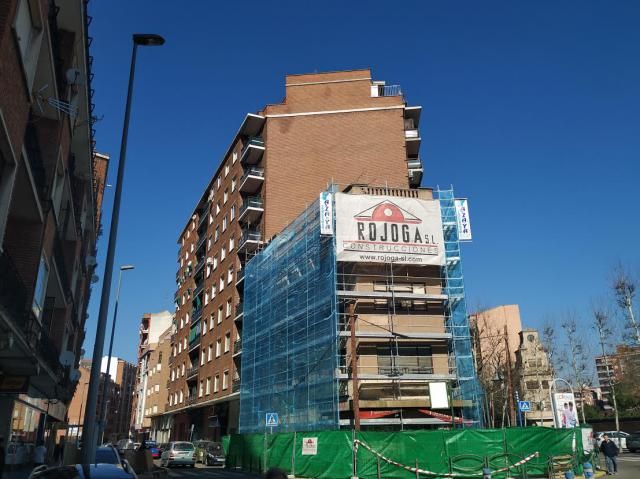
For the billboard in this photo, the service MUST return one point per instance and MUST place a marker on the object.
(463, 219)
(386, 229)
(565, 413)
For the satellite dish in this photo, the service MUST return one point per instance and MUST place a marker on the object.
(67, 358)
(74, 76)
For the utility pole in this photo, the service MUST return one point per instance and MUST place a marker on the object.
(509, 384)
(354, 367)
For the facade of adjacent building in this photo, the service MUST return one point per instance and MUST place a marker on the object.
(51, 186)
(340, 128)
(612, 368)
(153, 327)
(118, 400)
(363, 325)
(533, 377)
(157, 396)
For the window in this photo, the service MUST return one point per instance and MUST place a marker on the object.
(227, 342)
(225, 198)
(213, 294)
(201, 390)
(183, 368)
(155, 408)
(184, 346)
(235, 156)
(233, 212)
(202, 356)
(217, 208)
(410, 359)
(170, 399)
(179, 347)
(216, 237)
(210, 353)
(224, 223)
(209, 243)
(173, 376)
(204, 326)
(211, 321)
(221, 283)
(218, 182)
(181, 397)
(206, 298)
(225, 380)
(226, 170)
(215, 262)
(232, 244)
(157, 388)
(234, 181)
(188, 234)
(192, 248)
(207, 389)
(230, 275)
(223, 253)
(174, 351)
(218, 347)
(41, 286)
(181, 323)
(229, 307)
(219, 314)
(216, 383)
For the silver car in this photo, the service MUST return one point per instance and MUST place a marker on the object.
(178, 453)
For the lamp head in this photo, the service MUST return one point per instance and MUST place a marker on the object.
(148, 39)
(126, 267)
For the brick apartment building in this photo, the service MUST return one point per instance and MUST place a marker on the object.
(613, 367)
(119, 396)
(151, 380)
(341, 128)
(157, 396)
(51, 186)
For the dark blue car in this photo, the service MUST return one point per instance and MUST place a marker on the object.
(153, 447)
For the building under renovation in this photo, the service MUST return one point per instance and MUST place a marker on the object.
(354, 316)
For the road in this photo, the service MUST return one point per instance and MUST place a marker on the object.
(206, 472)
(628, 466)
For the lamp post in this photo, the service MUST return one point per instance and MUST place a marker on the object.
(554, 406)
(107, 379)
(89, 435)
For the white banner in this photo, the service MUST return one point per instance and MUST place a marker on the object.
(326, 213)
(462, 216)
(385, 229)
(309, 446)
(565, 410)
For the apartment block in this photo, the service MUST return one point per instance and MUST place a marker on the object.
(361, 326)
(331, 128)
(612, 368)
(150, 387)
(157, 397)
(51, 186)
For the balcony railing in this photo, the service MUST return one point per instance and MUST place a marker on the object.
(389, 90)
(251, 180)
(199, 265)
(239, 310)
(194, 342)
(250, 239)
(199, 289)
(239, 276)
(235, 386)
(252, 208)
(190, 400)
(192, 372)
(237, 346)
(196, 314)
(252, 151)
(203, 217)
(201, 241)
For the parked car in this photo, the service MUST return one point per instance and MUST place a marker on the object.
(620, 438)
(153, 447)
(633, 442)
(178, 453)
(214, 455)
(124, 444)
(83, 471)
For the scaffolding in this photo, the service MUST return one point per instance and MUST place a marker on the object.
(468, 388)
(289, 338)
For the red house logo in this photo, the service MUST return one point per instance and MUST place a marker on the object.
(387, 212)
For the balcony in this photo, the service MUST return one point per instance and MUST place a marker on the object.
(203, 217)
(250, 240)
(412, 140)
(237, 347)
(194, 342)
(252, 151)
(199, 265)
(414, 171)
(252, 208)
(235, 386)
(196, 314)
(386, 90)
(201, 241)
(192, 372)
(239, 312)
(190, 400)
(199, 289)
(252, 179)
(240, 277)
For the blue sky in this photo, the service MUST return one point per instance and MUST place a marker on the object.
(532, 110)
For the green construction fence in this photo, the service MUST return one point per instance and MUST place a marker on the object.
(458, 453)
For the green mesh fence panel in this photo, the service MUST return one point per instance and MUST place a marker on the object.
(462, 452)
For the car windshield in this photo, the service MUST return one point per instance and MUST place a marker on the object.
(183, 446)
(106, 455)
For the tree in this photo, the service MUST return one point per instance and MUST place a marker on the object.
(549, 343)
(577, 359)
(601, 325)
(624, 290)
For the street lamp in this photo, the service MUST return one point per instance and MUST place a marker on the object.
(89, 428)
(105, 385)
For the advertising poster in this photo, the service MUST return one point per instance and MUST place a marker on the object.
(565, 410)
(384, 229)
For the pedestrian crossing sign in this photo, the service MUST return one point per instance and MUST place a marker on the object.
(271, 419)
(524, 406)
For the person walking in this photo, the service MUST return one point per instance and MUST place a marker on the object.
(610, 451)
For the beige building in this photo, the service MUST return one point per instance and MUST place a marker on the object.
(533, 375)
(157, 389)
(150, 392)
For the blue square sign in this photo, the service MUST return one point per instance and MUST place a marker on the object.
(524, 406)
(271, 419)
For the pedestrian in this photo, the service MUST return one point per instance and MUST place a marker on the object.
(610, 451)
(1, 456)
(39, 454)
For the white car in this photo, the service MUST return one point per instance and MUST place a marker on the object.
(620, 438)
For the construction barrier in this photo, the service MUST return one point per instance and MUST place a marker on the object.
(455, 454)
